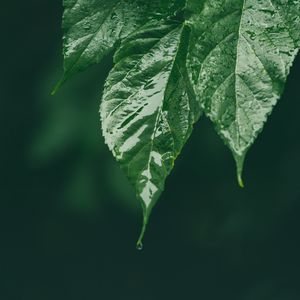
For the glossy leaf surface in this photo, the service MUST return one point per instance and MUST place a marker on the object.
(174, 59)
(148, 107)
(92, 28)
(240, 55)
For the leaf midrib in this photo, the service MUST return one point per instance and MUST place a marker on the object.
(236, 71)
(159, 109)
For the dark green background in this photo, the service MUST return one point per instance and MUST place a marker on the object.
(69, 219)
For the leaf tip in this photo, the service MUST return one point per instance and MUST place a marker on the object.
(240, 181)
(240, 159)
(55, 89)
(53, 92)
(139, 243)
(146, 214)
(57, 86)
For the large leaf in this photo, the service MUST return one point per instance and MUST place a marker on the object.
(240, 55)
(92, 28)
(174, 58)
(148, 107)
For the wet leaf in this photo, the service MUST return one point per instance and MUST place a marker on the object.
(148, 108)
(93, 28)
(174, 59)
(240, 55)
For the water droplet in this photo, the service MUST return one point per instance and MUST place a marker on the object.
(139, 246)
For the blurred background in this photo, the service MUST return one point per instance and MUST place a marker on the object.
(69, 219)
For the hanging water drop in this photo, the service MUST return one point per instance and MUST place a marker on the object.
(139, 246)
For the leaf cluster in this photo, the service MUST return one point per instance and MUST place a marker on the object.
(175, 60)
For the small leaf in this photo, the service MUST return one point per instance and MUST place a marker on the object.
(92, 28)
(240, 55)
(149, 108)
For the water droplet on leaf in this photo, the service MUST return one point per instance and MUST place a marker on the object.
(139, 246)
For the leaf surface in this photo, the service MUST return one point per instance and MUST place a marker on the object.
(173, 60)
(92, 28)
(240, 55)
(148, 108)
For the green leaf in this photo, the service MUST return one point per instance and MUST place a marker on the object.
(240, 55)
(149, 108)
(174, 59)
(92, 28)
